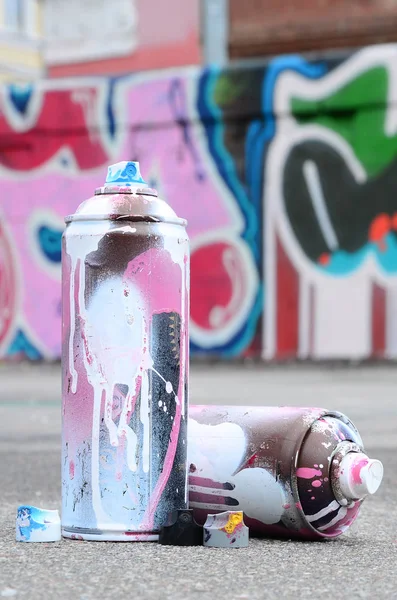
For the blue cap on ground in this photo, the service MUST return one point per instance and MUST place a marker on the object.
(125, 173)
(37, 525)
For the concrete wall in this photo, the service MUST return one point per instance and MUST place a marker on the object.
(286, 171)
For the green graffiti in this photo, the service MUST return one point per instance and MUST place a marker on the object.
(357, 112)
(228, 89)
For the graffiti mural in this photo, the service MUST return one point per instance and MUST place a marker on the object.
(56, 141)
(286, 172)
(331, 209)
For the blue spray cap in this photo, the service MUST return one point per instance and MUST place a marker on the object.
(125, 173)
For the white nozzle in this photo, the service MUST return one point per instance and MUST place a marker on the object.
(359, 475)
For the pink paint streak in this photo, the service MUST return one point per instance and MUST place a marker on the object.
(316, 483)
(165, 278)
(356, 470)
(307, 473)
(148, 519)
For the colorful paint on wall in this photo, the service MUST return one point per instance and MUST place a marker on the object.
(285, 172)
(60, 138)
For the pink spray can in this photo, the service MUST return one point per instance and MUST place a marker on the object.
(294, 472)
(125, 269)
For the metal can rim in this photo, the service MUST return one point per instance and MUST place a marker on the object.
(294, 484)
(133, 218)
(119, 189)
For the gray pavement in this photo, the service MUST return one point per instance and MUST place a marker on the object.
(361, 564)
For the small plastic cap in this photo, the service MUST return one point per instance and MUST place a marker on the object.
(181, 530)
(226, 530)
(37, 525)
(359, 475)
(125, 173)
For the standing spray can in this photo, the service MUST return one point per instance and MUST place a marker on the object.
(294, 472)
(125, 271)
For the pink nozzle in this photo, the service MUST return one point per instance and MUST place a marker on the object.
(359, 476)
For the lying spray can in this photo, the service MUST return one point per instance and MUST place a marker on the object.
(125, 270)
(295, 472)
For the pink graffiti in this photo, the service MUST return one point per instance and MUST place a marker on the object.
(62, 119)
(60, 151)
(8, 285)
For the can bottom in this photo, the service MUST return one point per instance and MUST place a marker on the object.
(98, 535)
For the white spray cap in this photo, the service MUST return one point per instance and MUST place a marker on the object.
(359, 475)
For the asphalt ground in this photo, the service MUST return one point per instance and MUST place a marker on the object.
(360, 564)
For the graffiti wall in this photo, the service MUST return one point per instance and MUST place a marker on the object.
(286, 172)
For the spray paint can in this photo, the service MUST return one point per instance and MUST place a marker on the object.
(125, 271)
(294, 472)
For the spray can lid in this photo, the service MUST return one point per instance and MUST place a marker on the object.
(359, 476)
(126, 195)
(125, 173)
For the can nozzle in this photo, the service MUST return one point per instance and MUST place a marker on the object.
(125, 173)
(359, 475)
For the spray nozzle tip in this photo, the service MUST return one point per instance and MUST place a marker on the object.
(125, 173)
(359, 476)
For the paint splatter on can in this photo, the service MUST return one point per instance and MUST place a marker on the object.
(294, 472)
(125, 278)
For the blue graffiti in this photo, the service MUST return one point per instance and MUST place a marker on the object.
(20, 96)
(111, 121)
(261, 133)
(248, 193)
(21, 346)
(342, 263)
(50, 243)
(212, 119)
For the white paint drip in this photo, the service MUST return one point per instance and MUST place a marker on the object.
(144, 415)
(78, 251)
(132, 442)
(107, 413)
(133, 307)
(72, 370)
(100, 514)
